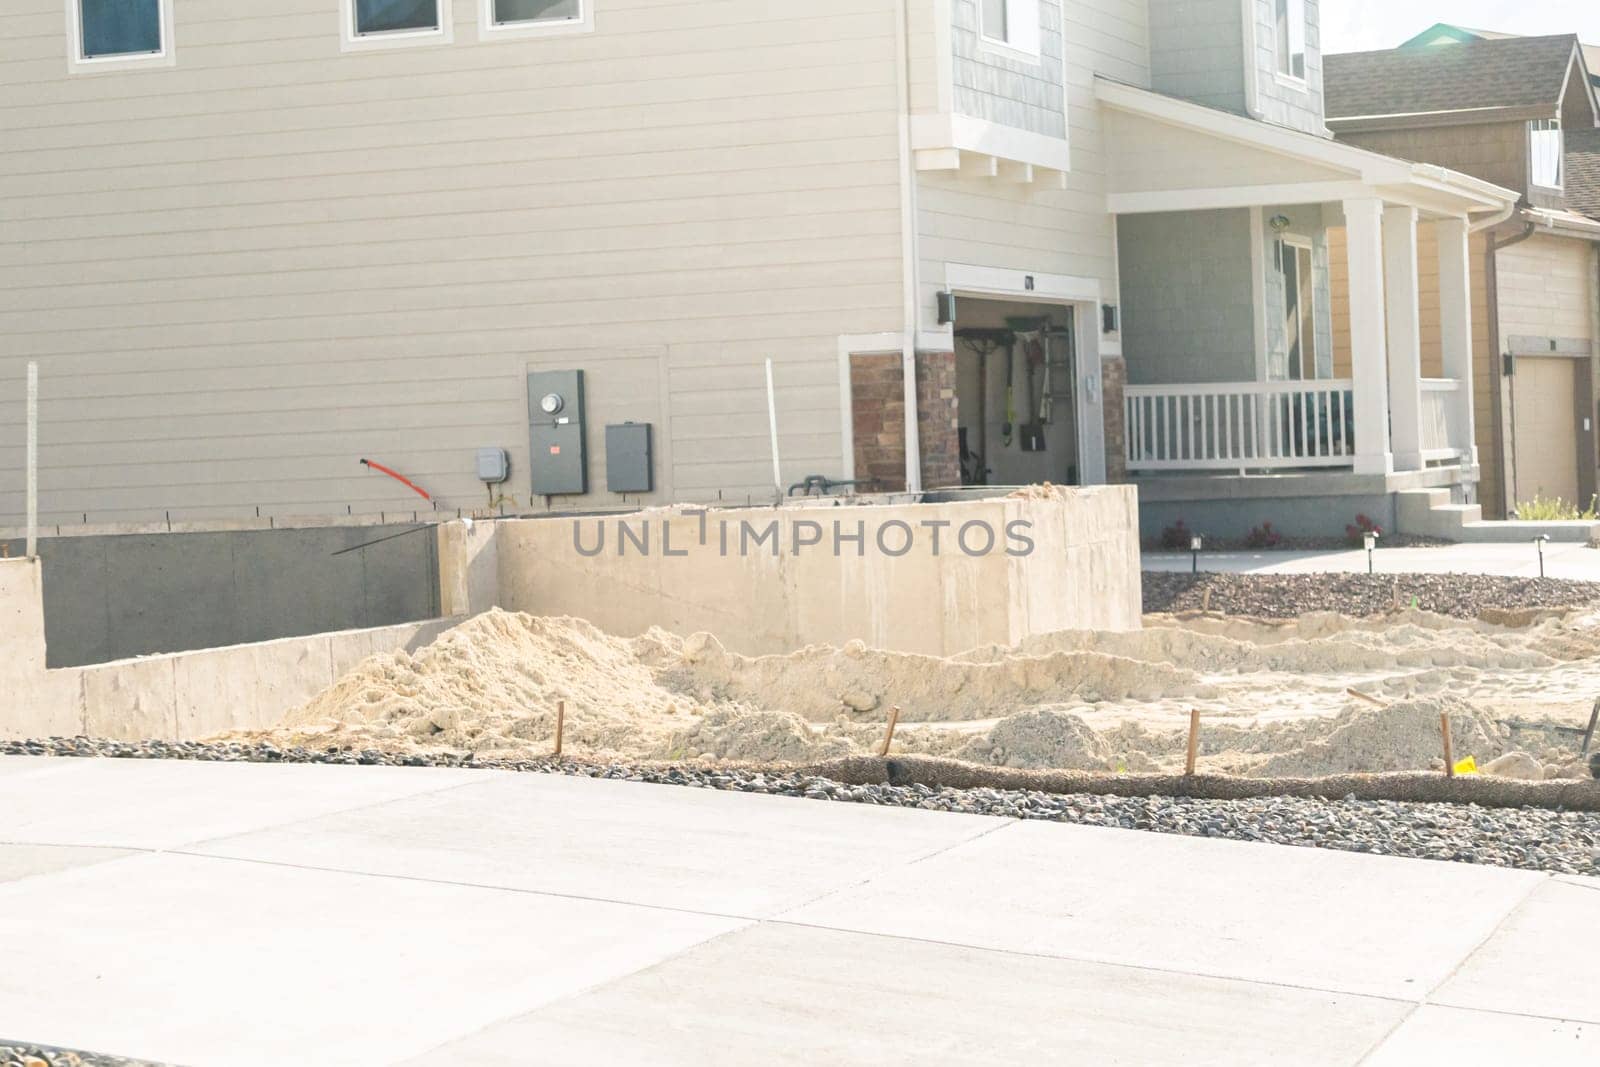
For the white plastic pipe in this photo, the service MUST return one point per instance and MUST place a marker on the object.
(772, 424)
(33, 460)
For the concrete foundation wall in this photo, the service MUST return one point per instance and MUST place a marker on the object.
(117, 596)
(1083, 572)
(183, 696)
(1306, 516)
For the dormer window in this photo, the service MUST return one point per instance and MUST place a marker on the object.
(1545, 152)
(1291, 17)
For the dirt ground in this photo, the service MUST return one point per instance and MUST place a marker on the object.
(1273, 695)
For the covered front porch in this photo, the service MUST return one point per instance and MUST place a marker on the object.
(1290, 304)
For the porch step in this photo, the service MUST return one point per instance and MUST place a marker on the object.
(1429, 513)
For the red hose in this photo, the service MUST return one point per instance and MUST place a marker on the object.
(397, 476)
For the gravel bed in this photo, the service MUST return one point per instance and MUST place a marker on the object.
(1529, 838)
(15, 1054)
(1283, 596)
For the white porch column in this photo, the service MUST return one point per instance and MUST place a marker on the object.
(1364, 239)
(1404, 335)
(1455, 326)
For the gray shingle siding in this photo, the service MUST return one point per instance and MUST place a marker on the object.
(1000, 89)
(1197, 50)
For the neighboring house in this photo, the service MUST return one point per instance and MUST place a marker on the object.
(250, 250)
(1501, 108)
(1445, 33)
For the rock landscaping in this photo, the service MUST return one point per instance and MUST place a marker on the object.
(15, 1054)
(1285, 596)
(1529, 838)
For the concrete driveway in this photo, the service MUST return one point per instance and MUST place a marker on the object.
(1573, 561)
(215, 914)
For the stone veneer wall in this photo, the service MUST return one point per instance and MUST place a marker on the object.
(1113, 376)
(877, 392)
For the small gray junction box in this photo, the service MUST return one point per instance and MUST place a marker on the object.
(629, 467)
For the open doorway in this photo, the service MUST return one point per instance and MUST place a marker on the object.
(1016, 369)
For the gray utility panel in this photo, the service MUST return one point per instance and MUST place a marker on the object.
(628, 461)
(556, 439)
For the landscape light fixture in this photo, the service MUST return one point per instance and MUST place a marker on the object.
(1369, 541)
(1539, 541)
(1194, 554)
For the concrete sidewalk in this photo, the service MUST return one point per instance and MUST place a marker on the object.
(216, 914)
(1572, 561)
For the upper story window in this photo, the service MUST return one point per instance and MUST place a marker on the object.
(1291, 18)
(390, 23)
(527, 18)
(1011, 24)
(120, 33)
(1544, 152)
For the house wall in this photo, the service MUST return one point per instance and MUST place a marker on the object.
(1282, 100)
(1494, 151)
(1197, 52)
(1487, 381)
(991, 84)
(1188, 313)
(1546, 287)
(245, 273)
(1041, 227)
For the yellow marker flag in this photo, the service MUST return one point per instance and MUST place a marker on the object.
(1467, 766)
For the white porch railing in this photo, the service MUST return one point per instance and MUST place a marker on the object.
(1239, 425)
(1441, 419)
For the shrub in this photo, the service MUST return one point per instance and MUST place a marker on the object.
(1263, 536)
(1176, 537)
(1355, 534)
(1553, 509)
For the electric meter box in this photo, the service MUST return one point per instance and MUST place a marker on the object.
(557, 458)
(628, 461)
(494, 465)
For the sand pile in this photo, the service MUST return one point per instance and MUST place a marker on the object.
(1273, 695)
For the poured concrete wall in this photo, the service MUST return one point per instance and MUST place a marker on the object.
(1082, 572)
(183, 696)
(116, 596)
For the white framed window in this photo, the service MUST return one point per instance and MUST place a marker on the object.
(1291, 26)
(1545, 149)
(499, 19)
(368, 24)
(1009, 26)
(119, 34)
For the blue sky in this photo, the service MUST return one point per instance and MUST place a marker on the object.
(1359, 25)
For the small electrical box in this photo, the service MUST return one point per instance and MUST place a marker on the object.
(557, 452)
(629, 464)
(1109, 319)
(494, 465)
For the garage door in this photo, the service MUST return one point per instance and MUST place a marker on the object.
(1546, 461)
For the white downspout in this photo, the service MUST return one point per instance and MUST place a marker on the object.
(908, 248)
(1252, 66)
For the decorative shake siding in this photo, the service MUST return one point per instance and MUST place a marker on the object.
(1282, 100)
(245, 273)
(1186, 297)
(990, 84)
(1197, 52)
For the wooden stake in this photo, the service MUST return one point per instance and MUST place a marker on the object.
(1194, 741)
(888, 735)
(561, 723)
(1449, 759)
(1360, 695)
(1205, 600)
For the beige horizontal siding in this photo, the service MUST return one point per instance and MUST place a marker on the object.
(245, 273)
